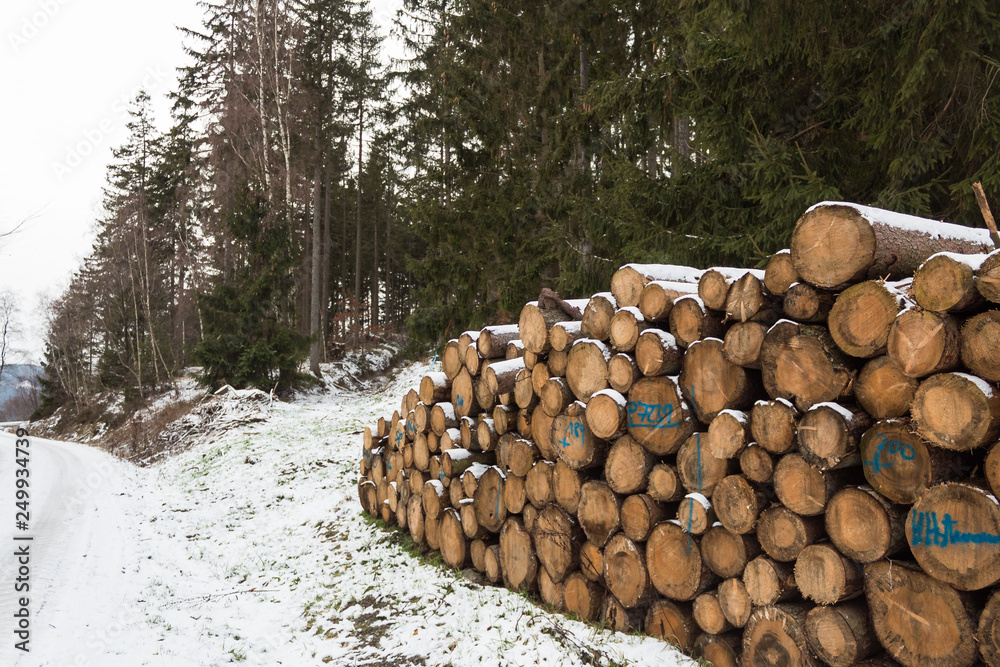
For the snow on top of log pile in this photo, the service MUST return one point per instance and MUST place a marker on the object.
(937, 229)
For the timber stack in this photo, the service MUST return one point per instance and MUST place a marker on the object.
(790, 466)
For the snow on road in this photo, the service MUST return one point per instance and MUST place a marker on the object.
(252, 549)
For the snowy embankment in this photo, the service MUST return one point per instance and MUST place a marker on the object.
(252, 548)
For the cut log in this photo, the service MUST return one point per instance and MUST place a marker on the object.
(517, 556)
(768, 581)
(521, 456)
(529, 514)
(566, 485)
(783, 534)
(597, 316)
(557, 362)
(695, 513)
(863, 525)
(435, 497)
(368, 494)
(625, 572)
(657, 417)
(582, 596)
(664, 483)
(829, 433)
(953, 531)
(727, 553)
(956, 411)
(422, 418)
(563, 334)
(454, 546)
(514, 350)
(922, 342)
(979, 350)
(628, 464)
(780, 273)
(920, 622)
(988, 635)
(607, 414)
(451, 360)
(555, 396)
(946, 282)
(474, 362)
(574, 441)
(803, 487)
(734, 601)
(514, 496)
(491, 512)
(549, 591)
(463, 395)
(773, 425)
(805, 303)
(714, 285)
(539, 375)
(738, 503)
(746, 298)
(757, 464)
(711, 383)
(658, 298)
(599, 512)
(862, 315)
(742, 342)
(486, 434)
(841, 635)
(623, 371)
(619, 618)
(699, 470)
(673, 622)
(883, 390)
(988, 277)
(708, 613)
(900, 465)
(720, 650)
(991, 468)
(775, 635)
(628, 282)
(538, 484)
(468, 427)
(470, 525)
(835, 243)
(729, 433)
(491, 561)
(639, 513)
(537, 317)
(485, 398)
(690, 321)
(455, 462)
(626, 325)
(434, 387)
(826, 576)
(657, 353)
(556, 538)
(592, 562)
(801, 363)
(587, 368)
(492, 341)
(501, 377)
(674, 562)
(415, 519)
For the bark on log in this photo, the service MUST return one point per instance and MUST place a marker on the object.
(780, 273)
(587, 368)
(805, 303)
(742, 343)
(883, 390)
(492, 341)
(607, 414)
(862, 315)
(775, 635)
(738, 503)
(639, 513)
(956, 411)
(769, 581)
(674, 562)
(712, 383)
(563, 334)
(623, 371)
(826, 576)
(801, 363)
(946, 282)
(658, 419)
(690, 321)
(657, 353)
(835, 243)
(658, 296)
(599, 512)
(714, 285)
(922, 342)
(574, 442)
(627, 283)
(625, 572)
(727, 553)
(556, 537)
(773, 425)
(517, 556)
(979, 350)
(841, 635)
(597, 316)
(783, 534)
(673, 622)
(582, 596)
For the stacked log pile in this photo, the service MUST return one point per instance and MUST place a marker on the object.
(790, 466)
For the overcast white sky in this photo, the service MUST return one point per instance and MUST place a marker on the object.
(67, 71)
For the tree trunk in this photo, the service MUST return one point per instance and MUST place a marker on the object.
(574, 441)
(562, 335)
(747, 298)
(538, 484)
(622, 373)
(454, 545)
(757, 464)
(742, 342)
(664, 483)
(863, 525)
(556, 538)
(695, 513)
(698, 469)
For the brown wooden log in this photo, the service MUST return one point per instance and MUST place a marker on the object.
(541, 433)
(411, 398)
(714, 285)
(587, 368)
(695, 513)
(592, 562)
(922, 342)
(863, 525)
(946, 282)
(780, 273)
(566, 485)
(491, 561)
(699, 470)
(805, 303)
(582, 596)
(783, 533)
(991, 469)
(514, 496)
(451, 360)
(463, 395)
(486, 434)
(470, 525)
(900, 465)
(826, 576)
(956, 411)
(485, 398)
(455, 462)
(551, 592)
(738, 503)
(841, 635)
(597, 316)
(599, 512)
(883, 390)
(768, 581)
(625, 572)
(757, 464)
(491, 512)
(454, 546)
(529, 514)
(674, 562)
(862, 315)
(639, 513)
(619, 618)
(720, 650)
(538, 484)
(469, 428)
(801, 363)
(537, 318)
(539, 375)
(711, 383)
(515, 350)
(493, 340)
(988, 634)
(658, 419)
(557, 363)
(829, 434)
(563, 334)
(746, 298)
(555, 396)
(691, 321)
(708, 613)
(729, 433)
(979, 350)
(988, 277)
(953, 530)
(456, 493)
(517, 556)
(627, 465)
(774, 635)
(368, 495)
(741, 344)
(734, 601)
(628, 282)
(401, 509)
(501, 377)
(919, 621)
(626, 325)
(415, 519)
(473, 361)
(606, 414)
(664, 484)
(435, 498)
(727, 553)
(657, 353)
(623, 371)
(836, 243)
(574, 441)
(416, 481)
(658, 296)
(451, 439)
(774, 424)
(556, 537)
(673, 622)
(803, 487)
(434, 387)
(530, 358)
(421, 418)
(521, 456)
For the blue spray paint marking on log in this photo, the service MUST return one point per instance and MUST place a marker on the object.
(926, 531)
(890, 447)
(651, 415)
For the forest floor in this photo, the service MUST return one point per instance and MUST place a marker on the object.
(248, 545)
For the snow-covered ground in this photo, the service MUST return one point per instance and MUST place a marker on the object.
(252, 548)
